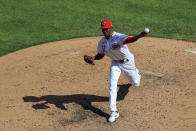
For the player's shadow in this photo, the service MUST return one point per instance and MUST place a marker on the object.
(84, 100)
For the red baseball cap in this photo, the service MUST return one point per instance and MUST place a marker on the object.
(105, 24)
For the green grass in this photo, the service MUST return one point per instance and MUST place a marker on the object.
(25, 23)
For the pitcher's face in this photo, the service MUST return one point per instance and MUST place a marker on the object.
(107, 32)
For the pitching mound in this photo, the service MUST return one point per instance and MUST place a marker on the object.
(50, 87)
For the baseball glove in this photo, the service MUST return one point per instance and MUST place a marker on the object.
(89, 59)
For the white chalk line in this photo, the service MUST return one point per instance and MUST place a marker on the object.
(152, 73)
(74, 53)
(192, 50)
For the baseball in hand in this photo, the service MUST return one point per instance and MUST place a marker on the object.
(146, 30)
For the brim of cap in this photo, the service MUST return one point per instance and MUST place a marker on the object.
(105, 27)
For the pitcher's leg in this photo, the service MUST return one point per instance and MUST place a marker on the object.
(115, 72)
(134, 76)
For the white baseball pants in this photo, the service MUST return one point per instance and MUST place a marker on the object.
(115, 70)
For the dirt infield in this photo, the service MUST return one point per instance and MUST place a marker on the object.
(50, 88)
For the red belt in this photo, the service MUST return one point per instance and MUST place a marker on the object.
(121, 61)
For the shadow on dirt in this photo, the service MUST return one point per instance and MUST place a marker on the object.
(84, 100)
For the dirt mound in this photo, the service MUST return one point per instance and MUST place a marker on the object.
(49, 87)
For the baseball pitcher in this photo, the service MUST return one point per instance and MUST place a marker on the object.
(113, 45)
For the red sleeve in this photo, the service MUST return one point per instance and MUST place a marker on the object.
(128, 40)
(101, 55)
